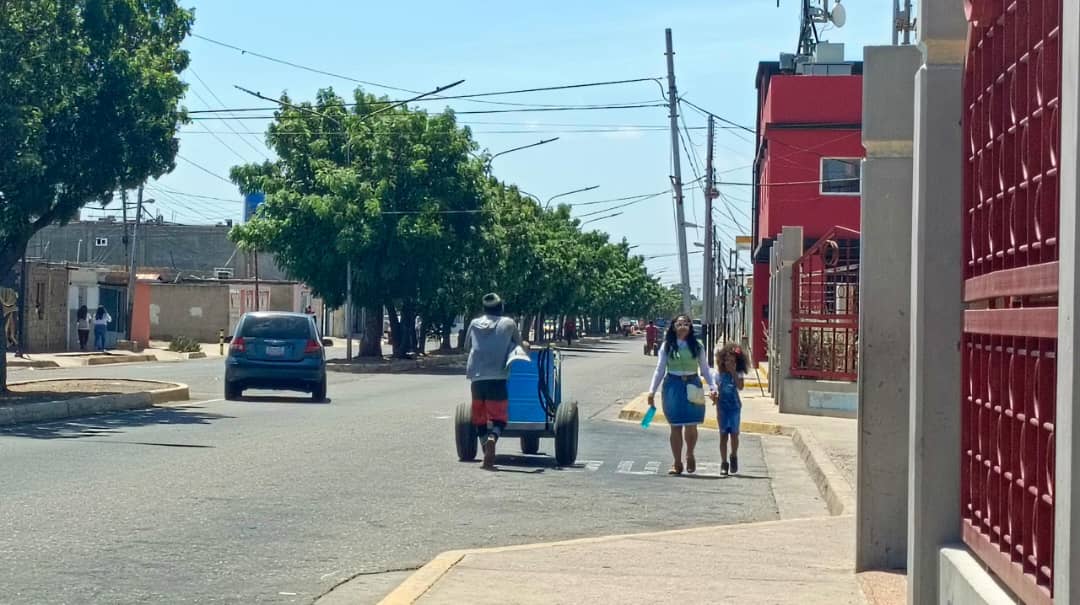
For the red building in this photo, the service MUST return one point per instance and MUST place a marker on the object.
(807, 167)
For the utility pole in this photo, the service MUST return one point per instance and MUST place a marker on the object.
(348, 310)
(680, 217)
(132, 256)
(707, 291)
(256, 255)
(20, 351)
(124, 236)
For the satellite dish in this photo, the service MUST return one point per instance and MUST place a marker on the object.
(838, 15)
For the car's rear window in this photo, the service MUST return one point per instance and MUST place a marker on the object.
(276, 327)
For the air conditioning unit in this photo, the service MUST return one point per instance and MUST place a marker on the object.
(223, 273)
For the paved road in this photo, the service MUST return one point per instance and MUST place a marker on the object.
(276, 500)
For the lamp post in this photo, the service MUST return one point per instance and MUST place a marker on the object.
(564, 194)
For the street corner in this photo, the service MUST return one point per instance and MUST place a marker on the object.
(109, 359)
(634, 410)
(58, 399)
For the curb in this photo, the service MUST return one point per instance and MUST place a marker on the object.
(838, 494)
(629, 413)
(101, 361)
(89, 406)
(422, 580)
(22, 363)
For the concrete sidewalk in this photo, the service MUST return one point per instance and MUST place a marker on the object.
(827, 445)
(803, 562)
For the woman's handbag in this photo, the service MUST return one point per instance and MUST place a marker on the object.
(695, 394)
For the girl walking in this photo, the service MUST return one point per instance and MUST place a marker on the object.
(102, 319)
(681, 365)
(82, 326)
(731, 366)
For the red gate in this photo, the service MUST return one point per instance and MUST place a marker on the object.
(825, 308)
(1012, 138)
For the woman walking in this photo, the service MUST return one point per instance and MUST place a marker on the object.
(102, 319)
(82, 326)
(681, 365)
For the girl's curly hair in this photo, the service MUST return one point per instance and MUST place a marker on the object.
(742, 364)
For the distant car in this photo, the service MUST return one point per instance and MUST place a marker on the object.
(274, 350)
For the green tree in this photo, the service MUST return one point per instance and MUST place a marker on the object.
(395, 192)
(89, 103)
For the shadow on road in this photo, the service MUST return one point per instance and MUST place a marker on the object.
(112, 424)
(304, 399)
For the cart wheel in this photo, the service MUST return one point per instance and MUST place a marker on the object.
(566, 434)
(530, 444)
(465, 433)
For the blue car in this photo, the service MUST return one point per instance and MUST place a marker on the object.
(275, 350)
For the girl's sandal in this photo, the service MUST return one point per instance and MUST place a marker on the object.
(676, 469)
(691, 464)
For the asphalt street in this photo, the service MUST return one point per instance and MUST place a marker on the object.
(276, 499)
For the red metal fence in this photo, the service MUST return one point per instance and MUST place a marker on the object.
(1012, 136)
(825, 308)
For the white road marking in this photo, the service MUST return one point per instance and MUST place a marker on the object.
(593, 465)
(327, 575)
(626, 467)
(441, 417)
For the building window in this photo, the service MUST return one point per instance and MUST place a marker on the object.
(841, 176)
(101, 242)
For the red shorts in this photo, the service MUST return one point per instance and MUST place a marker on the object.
(490, 402)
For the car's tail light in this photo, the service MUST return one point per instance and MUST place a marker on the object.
(313, 346)
(238, 345)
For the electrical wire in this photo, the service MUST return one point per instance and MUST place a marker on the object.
(473, 97)
(222, 104)
(206, 170)
(485, 111)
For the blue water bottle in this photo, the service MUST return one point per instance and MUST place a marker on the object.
(647, 420)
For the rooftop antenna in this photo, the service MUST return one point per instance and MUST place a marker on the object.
(812, 13)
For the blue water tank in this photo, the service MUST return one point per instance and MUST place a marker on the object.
(522, 385)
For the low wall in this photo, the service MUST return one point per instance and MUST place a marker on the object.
(819, 398)
(964, 581)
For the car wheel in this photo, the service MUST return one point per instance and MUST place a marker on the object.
(319, 392)
(233, 391)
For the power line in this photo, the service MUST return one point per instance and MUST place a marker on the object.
(206, 170)
(623, 205)
(219, 139)
(195, 195)
(222, 103)
(473, 97)
(482, 112)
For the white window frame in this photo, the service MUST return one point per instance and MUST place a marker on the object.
(822, 181)
(101, 242)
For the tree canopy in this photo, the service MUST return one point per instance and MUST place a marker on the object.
(89, 103)
(408, 199)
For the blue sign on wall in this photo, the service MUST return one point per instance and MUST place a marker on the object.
(251, 204)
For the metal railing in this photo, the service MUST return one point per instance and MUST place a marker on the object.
(1012, 138)
(825, 308)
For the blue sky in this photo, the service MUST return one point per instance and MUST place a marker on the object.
(501, 46)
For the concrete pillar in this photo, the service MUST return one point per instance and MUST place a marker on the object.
(1067, 454)
(885, 307)
(770, 342)
(936, 288)
(789, 249)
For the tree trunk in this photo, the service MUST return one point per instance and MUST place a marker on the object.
(421, 337)
(371, 346)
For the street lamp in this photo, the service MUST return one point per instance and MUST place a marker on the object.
(557, 195)
(537, 144)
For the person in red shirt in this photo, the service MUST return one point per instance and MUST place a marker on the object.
(651, 332)
(569, 327)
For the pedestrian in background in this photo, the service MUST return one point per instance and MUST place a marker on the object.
(568, 329)
(82, 326)
(102, 319)
(651, 332)
(731, 366)
(491, 340)
(682, 364)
